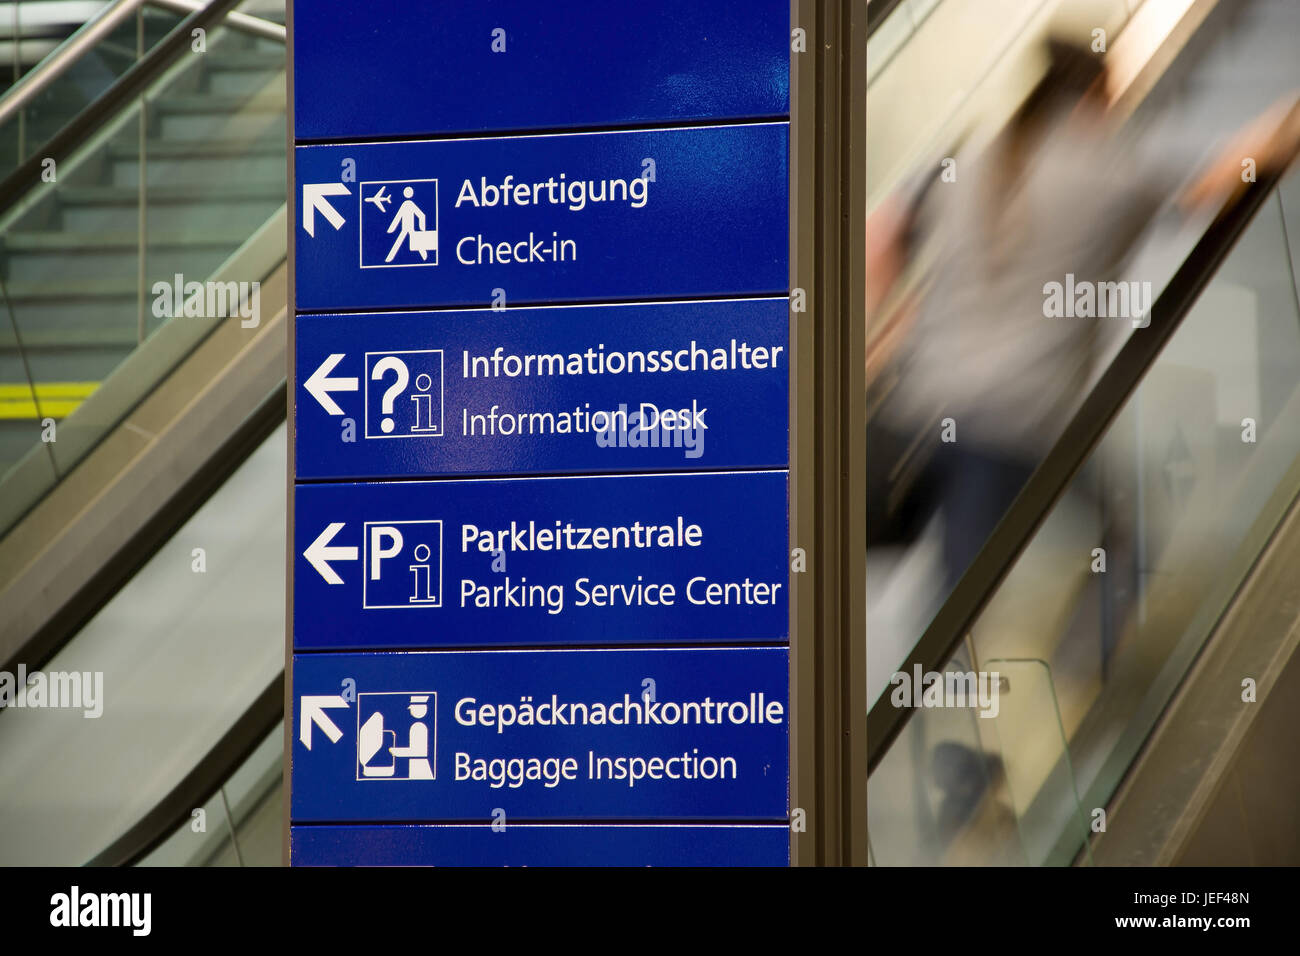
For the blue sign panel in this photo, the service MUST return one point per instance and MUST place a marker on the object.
(697, 558)
(648, 387)
(487, 736)
(397, 68)
(687, 212)
(523, 844)
(541, 257)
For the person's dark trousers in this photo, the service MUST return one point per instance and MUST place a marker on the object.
(903, 487)
(978, 485)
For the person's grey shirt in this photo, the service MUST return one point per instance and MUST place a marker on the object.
(981, 350)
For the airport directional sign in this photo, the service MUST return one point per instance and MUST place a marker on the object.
(550, 390)
(573, 217)
(688, 558)
(564, 735)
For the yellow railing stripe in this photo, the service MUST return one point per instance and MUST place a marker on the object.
(53, 399)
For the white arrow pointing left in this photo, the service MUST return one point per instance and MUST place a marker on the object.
(320, 384)
(313, 200)
(313, 712)
(319, 553)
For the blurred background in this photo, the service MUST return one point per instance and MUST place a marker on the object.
(1125, 596)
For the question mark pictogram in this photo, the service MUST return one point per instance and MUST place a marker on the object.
(386, 364)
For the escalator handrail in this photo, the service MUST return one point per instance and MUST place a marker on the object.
(878, 12)
(65, 55)
(201, 783)
(1052, 477)
(236, 744)
(107, 106)
(258, 27)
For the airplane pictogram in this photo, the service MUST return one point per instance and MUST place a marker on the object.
(381, 199)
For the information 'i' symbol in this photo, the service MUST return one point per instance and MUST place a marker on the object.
(423, 574)
(423, 404)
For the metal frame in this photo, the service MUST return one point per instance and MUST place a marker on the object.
(827, 434)
(291, 221)
(853, 478)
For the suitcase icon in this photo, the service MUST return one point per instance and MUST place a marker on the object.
(424, 241)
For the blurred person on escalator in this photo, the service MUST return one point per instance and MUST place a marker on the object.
(971, 377)
(1058, 193)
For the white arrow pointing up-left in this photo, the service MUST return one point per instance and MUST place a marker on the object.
(313, 199)
(319, 553)
(313, 712)
(320, 384)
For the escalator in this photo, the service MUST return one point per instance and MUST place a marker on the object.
(142, 406)
(1133, 602)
